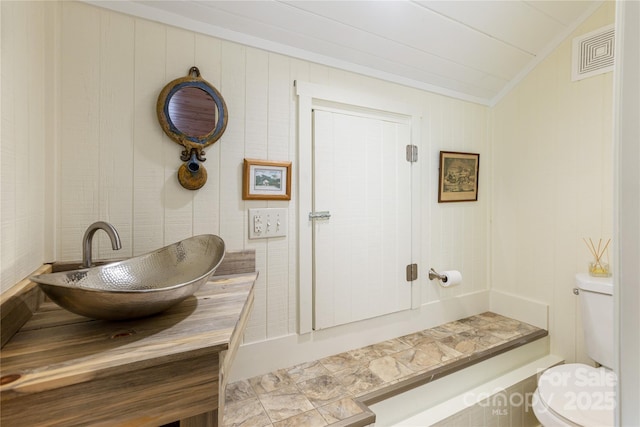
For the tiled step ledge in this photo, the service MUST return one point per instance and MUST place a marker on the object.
(337, 389)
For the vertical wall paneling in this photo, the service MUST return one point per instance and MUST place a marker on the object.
(11, 139)
(456, 235)
(116, 131)
(256, 126)
(149, 141)
(278, 138)
(7, 237)
(24, 135)
(552, 174)
(277, 286)
(481, 232)
(427, 157)
(31, 121)
(51, 150)
(564, 100)
(178, 202)
(206, 206)
(432, 232)
(232, 85)
(257, 326)
(80, 125)
(115, 163)
(279, 84)
(256, 129)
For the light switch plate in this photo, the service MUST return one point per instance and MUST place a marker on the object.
(267, 222)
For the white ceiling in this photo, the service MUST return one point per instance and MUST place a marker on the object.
(473, 50)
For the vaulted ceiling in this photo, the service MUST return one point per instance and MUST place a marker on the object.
(474, 50)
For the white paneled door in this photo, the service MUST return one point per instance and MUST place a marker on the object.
(362, 179)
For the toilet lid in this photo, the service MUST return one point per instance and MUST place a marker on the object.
(582, 394)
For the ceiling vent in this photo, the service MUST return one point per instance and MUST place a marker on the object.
(593, 53)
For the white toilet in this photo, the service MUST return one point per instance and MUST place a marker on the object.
(575, 394)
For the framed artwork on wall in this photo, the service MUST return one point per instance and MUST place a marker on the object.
(458, 180)
(266, 180)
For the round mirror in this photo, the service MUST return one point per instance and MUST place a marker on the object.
(192, 112)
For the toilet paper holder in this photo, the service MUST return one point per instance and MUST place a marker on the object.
(435, 275)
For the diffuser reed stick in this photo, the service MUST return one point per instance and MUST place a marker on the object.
(597, 268)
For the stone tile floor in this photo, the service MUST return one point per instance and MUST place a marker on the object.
(335, 389)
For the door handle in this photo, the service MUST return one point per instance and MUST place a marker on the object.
(319, 215)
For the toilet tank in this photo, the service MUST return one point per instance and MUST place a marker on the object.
(596, 303)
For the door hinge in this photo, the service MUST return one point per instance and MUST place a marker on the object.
(412, 272)
(412, 153)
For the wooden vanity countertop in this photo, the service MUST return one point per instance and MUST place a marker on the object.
(139, 372)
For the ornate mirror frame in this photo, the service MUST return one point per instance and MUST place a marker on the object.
(192, 175)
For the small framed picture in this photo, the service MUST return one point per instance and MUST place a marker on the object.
(458, 177)
(266, 180)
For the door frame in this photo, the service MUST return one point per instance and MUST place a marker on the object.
(311, 95)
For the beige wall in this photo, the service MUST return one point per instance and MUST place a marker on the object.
(115, 163)
(24, 135)
(552, 184)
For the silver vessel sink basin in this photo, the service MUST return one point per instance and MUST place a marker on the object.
(139, 286)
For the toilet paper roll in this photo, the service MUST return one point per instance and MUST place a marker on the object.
(451, 278)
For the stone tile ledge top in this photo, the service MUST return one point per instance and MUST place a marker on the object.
(335, 391)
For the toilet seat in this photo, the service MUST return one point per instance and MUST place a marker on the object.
(576, 395)
(546, 415)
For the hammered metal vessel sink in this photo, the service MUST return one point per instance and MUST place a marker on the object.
(137, 287)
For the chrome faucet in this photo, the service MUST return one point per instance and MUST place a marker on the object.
(88, 239)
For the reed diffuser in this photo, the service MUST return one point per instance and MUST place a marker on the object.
(598, 267)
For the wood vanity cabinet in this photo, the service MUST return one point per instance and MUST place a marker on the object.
(63, 369)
